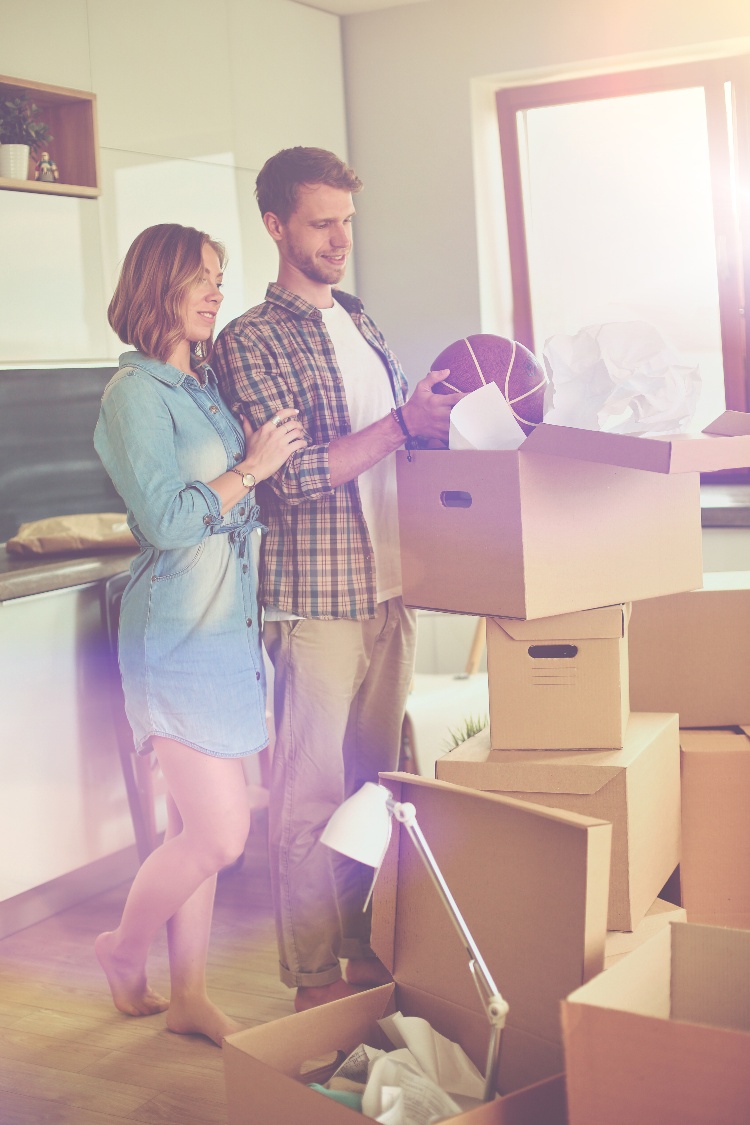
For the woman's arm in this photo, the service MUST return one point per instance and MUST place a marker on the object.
(134, 438)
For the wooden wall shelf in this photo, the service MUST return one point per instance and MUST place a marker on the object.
(71, 117)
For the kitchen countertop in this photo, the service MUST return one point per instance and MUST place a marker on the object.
(21, 577)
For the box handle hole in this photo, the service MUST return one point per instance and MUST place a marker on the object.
(553, 652)
(455, 499)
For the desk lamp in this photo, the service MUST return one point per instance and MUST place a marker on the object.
(360, 829)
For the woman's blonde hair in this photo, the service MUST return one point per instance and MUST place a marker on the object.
(160, 268)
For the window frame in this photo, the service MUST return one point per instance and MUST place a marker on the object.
(732, 234)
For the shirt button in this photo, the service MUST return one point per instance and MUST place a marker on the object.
(238, 456)
(242, 511)
(213, 409)
(249, 622)
(257, 675)
(244, 568)
(207, 520)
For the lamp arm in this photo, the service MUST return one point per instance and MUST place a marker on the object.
(495, 1006)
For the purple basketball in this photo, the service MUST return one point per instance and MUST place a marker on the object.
(477, 360)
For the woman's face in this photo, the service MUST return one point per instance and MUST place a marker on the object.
(203, 301)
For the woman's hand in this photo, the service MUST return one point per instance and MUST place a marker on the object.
(267, 448)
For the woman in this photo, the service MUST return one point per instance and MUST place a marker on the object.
(189, 643)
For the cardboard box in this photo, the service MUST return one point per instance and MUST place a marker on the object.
(560, 682)
(663, 1038)
(725, 444)
(715, 864)
(690, 653)
(531, 884)
(636, 788)
(620, 943)
(526, 535)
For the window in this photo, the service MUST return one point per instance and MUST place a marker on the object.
(628, 198)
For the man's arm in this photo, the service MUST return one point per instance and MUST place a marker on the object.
(252, 381)
(426, 415)
(253, 385)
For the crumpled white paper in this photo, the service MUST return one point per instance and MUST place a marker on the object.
(411, 1085)
(442, 1060)
(398, 1093)
(621, 378)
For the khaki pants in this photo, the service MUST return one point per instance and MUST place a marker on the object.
(340, 691)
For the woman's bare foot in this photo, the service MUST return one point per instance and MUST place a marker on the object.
(367, 972)
(313, 997)
(196, 1015)
(130, 989)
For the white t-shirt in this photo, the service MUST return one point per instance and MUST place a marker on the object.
(369, 396)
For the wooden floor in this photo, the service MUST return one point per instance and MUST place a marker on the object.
(67, 1057)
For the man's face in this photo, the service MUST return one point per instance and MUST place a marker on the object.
(317, 238)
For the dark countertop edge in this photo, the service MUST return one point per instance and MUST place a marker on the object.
(725, 505)
(24, 577)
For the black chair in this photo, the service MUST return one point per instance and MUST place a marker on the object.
(138, 772)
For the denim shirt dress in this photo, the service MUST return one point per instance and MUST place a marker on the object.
(189, 642)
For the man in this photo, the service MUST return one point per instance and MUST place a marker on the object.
(338, 634)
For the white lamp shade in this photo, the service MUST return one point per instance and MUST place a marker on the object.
(361, 826)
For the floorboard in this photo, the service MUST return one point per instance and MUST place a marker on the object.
(67, 1057)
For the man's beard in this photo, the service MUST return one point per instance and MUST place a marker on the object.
(315, 270)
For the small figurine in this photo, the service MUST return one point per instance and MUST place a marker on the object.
(46, 170)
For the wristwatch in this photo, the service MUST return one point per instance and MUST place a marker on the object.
(247, 478)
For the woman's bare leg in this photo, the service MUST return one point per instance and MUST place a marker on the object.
(210, 820)
(188, 932)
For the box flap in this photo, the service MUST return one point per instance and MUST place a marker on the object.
(284, 1044)
(715, 741)
(475, 764)
(512, 868)
(604, 623)
(676, 453)
(710, 965)
(732, 423)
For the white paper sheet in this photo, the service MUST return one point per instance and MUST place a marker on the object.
(484, 420)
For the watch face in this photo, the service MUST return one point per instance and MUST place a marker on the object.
(248, 480)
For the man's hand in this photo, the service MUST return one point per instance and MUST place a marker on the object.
(426, 414)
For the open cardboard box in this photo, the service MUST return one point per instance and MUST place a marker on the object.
(528, 535)
(690, 653)
(724, 444)
(620, 943)
(636, 788)
(531, 884)
(559, 683)
(663, 1037)
(715, 864)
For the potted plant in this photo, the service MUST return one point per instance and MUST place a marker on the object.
(21, 132)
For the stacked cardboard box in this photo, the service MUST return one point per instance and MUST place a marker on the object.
(637, 789)
(691, 652)
(551, 543)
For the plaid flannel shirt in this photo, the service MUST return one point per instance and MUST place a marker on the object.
(317, 558)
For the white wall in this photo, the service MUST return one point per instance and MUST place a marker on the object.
(192, 98)
(411, 74)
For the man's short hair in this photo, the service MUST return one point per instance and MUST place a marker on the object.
(281, 177)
